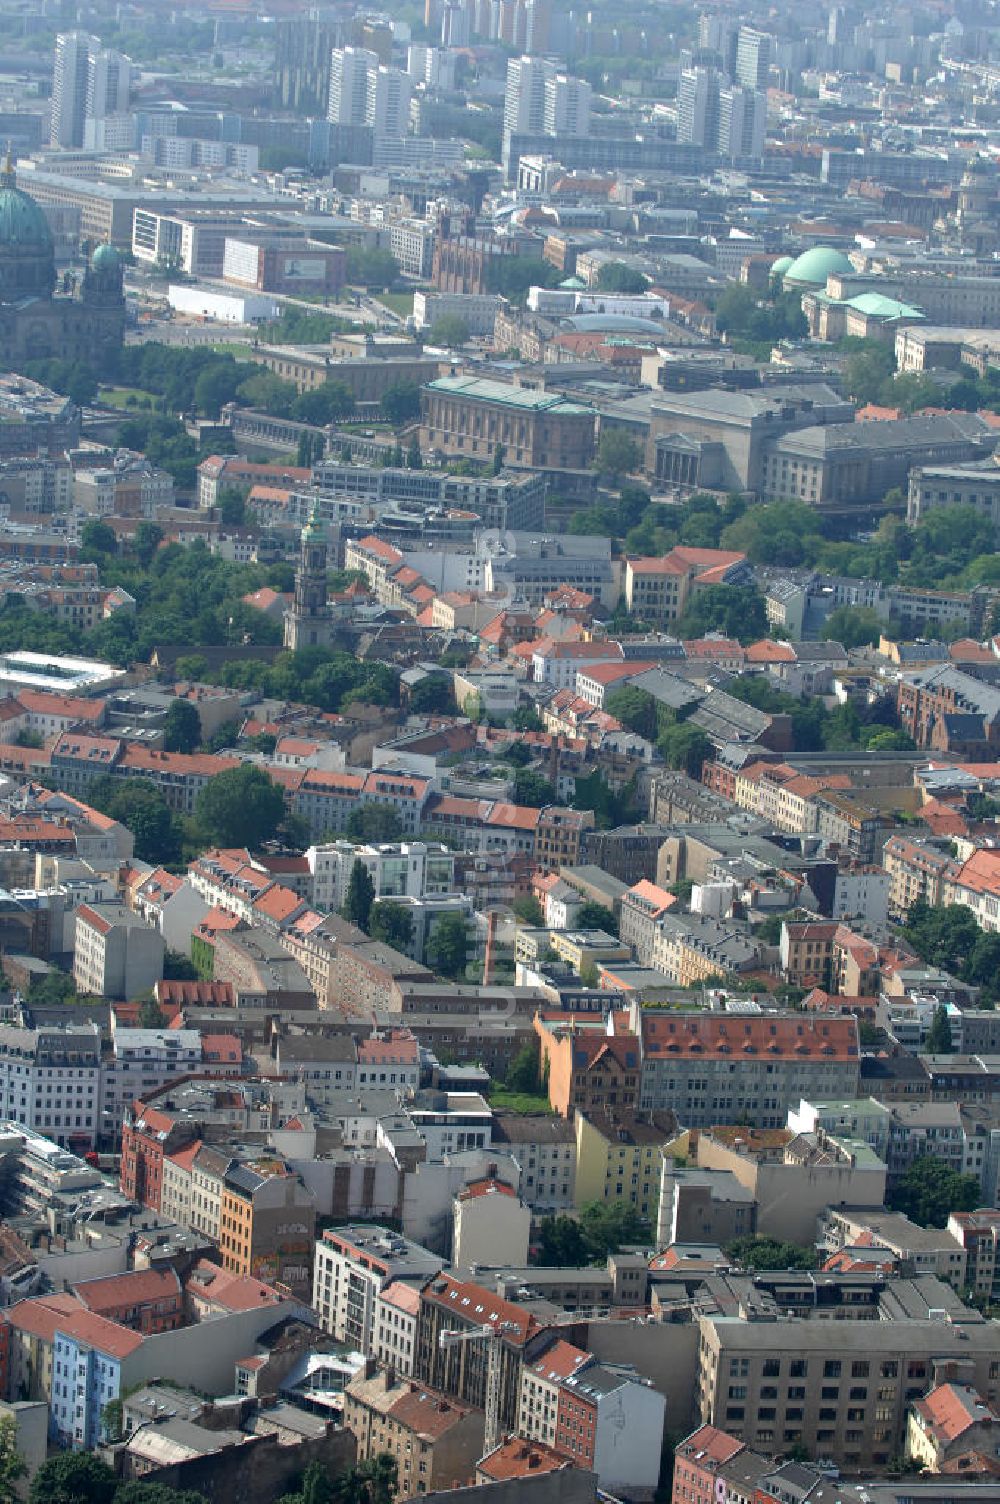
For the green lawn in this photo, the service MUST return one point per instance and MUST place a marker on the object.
(396, 302)
(117, 396)
(231, 347)
(522, 1102)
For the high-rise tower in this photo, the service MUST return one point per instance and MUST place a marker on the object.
(309, 621)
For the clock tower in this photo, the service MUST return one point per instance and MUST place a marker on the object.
(309, 621)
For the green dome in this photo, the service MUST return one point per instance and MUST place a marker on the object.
(818, 263)
(22, 223)
(780, 267)
(105, 258)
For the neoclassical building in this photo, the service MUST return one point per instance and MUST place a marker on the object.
(34, 323)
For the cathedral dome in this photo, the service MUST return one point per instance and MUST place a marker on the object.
(27, 254)
(105, 258)
(22, 223)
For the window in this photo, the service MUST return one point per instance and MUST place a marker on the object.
(831, 1368)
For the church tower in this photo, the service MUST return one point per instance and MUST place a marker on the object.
(309, 622)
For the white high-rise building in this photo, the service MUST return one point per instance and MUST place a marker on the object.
(698, 107)
(109, 79)
(540, 98)
(387, 107)
(349, 70)
(742, 123)
(456, 26)
(524, 99)
(69, 86)
(90, 83)
(754, 51)
(567, 106)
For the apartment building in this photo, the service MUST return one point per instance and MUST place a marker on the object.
(267, 1224)
(435, 1441)
(917, 871)
(979, 1234)
(397, 1308)
(50, 1081)
(400, 869)
(658, 589)
(588, 1069)
(976, 885)
(642, 906)
(846, 1386)
(115, 953)
(544, 1149)
(723, 1069)
(460, 1369)
(540, 1384)
(610, 1421)
(353, 1265)
(619, 1157)
(696, 948)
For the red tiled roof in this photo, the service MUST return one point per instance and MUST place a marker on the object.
(133, 1288)
(560, 1361)
(478, 1188)
(480, 1307)
(714, 1036)
(521, 1459)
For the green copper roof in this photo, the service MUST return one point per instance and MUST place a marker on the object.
(315, 529)
(105, 256)
(818, 263)
(22, 223)
(876, 305)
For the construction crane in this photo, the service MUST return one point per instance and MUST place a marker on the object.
(491, 1334)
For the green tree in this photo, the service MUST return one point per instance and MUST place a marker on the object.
(148, 538)
(526, 718)
(616, 276)
(140, 807)
(759, 1252)
(533, 789)
(635, 709)
(216, 385)
(359, 897)
(866, 369)
(529, 911)
(941, 936)
(401, 403)
(232, 505)
(618, 454)
(938, 1041)
(181, 727)
(73, 1478)
(12, 1464)
(931, 1190)
(151, 1015)
(524, 1073)
(686, 747)
(594, 916)
(371, 268)
(241, 807)
(735, 610)
(329, 403)
(609, 1226)
(449, 330)
(97, 538)
(414, 459)
(434, 695)
(446, 951)
(561, 1244)
(374, 822)
(392, 923)
(853, 626)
